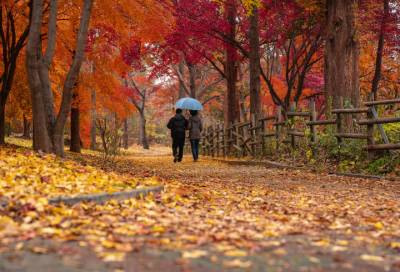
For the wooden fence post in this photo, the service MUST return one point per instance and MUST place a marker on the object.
(262, 132)
(291, 118)
(217, 138)
(224, 139)
(339, 128)
(370, 134)
(313, 118)
(277, 126)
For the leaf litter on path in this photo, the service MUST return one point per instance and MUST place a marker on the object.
(238, 210)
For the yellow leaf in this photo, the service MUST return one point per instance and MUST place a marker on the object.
(342, 242)
(372, 258)
(159, 229)
(378, 226)
(280, 251)
(194, 254)
(39, 250)
(113, 256)
(395, 245)
(236, 253)
(339, 248)
(237, 263)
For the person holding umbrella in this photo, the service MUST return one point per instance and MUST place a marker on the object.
(195, 128)
(178, 124)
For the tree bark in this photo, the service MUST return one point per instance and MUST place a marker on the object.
(379, 52)
(48, 130)
(142, 130)
(11, 48)
(71, 79)
(231, 112)
(125, 138)
(192, 79)
(341, 54)
(75, 145)
(2, 123)
(254, 64)
(181, 87)
(41, 138)
(93, 143)
(27, 128)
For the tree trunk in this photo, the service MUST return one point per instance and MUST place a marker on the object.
(181, 87)
(41, 137)
(231, 112)
(142, 130)
(254, 64)
(2, 122)
(27, 128)
(379, 52)
(71, 79)
(93, 144)
(75, 145)
(48, 130)
(192, 79)
(11, 46)
(125, 138)
(341, 54)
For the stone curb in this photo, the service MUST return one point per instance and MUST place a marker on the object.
(103, 197)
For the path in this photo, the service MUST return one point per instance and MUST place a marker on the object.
(216, 217)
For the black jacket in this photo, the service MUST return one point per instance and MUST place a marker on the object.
(178, 124)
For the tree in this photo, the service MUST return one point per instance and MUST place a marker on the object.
(48, 128)
(342, 83)
(138, 89)
(15, 17)
(254, 63)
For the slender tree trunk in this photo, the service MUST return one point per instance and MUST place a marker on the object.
(126, 134)
(27, 128)
(41, 138)
(71, 79)
(231, 112)
(192, 79)
(11, 46)
(2, 122)
(341, 54)
(142, 130)
(379, 52)
(93, 117)
(254, 64)
(75, 145)
(181, 87)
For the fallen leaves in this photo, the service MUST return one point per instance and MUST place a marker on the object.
(211, 206)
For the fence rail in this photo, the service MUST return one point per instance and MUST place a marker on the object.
(250, 138)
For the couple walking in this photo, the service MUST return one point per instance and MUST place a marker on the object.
(178, 126)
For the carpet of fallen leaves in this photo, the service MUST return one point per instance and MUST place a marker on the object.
(226, 215)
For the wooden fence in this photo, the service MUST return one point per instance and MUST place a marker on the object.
(251, 138)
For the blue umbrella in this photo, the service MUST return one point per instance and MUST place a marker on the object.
(188, 103)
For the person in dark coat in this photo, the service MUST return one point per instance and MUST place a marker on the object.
(195, 128)
(178, 125)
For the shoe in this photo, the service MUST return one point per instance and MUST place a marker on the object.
(175, 159)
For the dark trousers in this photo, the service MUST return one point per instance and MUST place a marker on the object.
(195, 148)
(177, 147)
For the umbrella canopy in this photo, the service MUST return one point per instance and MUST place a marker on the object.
(188, 103)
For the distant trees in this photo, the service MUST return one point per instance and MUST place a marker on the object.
(239, 58)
